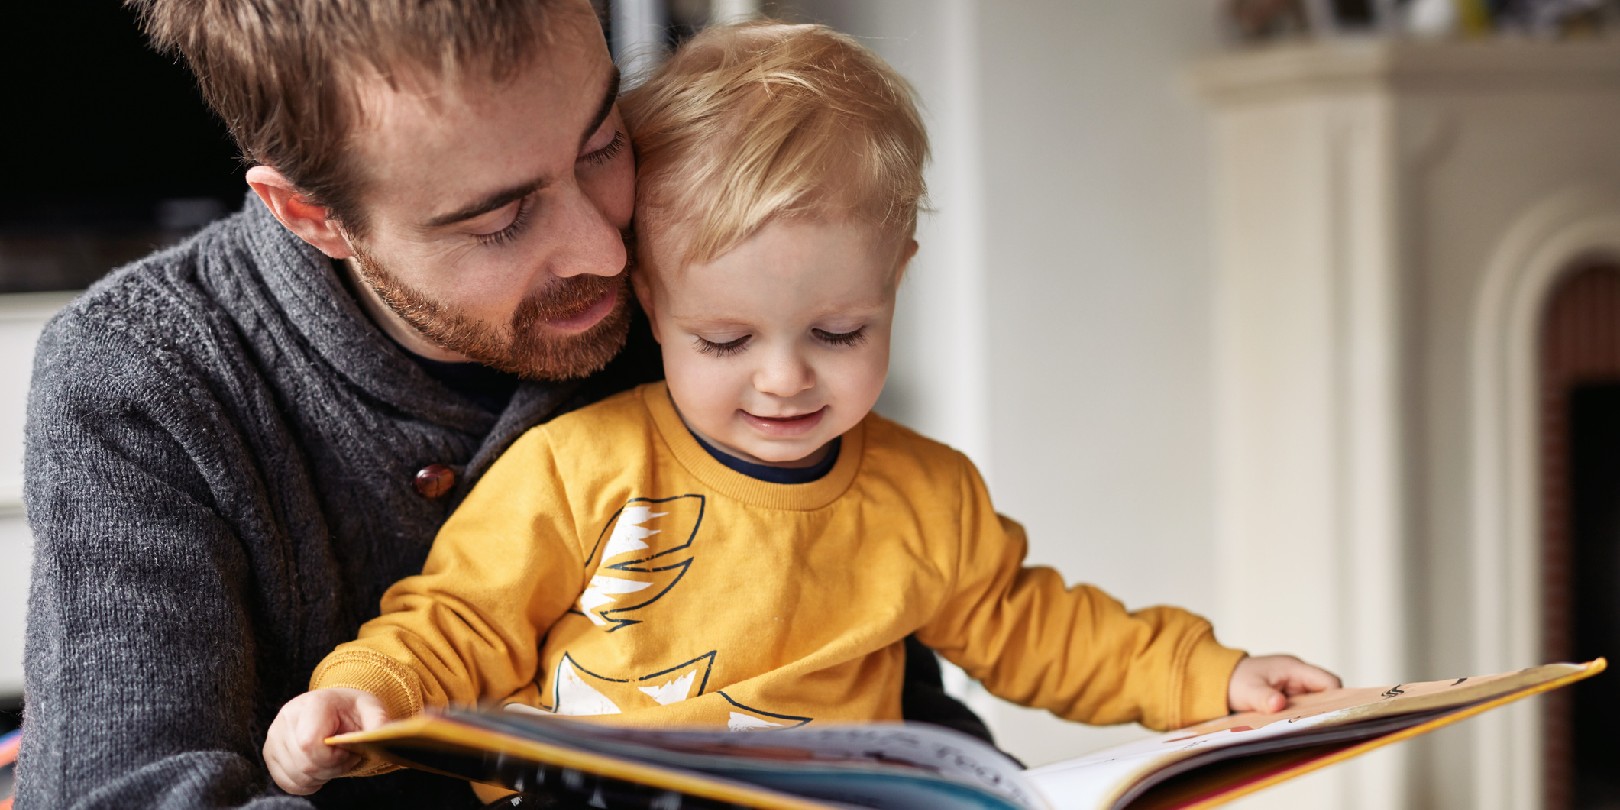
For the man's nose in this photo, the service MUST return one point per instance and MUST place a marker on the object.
(784, 374)
(589, 242)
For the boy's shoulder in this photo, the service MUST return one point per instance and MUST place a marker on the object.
(620, 415)
(891, 443)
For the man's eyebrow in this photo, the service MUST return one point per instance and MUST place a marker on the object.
(602, 112)
(511, 194)
(492, 202)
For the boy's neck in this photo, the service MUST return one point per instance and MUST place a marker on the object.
(822, 463)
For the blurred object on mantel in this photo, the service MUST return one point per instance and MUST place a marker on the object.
(1254, 21)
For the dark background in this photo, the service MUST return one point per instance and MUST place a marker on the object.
(107, 148)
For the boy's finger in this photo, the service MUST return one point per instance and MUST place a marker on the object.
(1311, 679)
(1322, 679)
(1272, 701)
(287, 775)
(315, 725)
(370, 713)
(323, 758)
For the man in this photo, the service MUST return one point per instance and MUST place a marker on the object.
(235, 445)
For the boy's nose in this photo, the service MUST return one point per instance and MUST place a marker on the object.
(784, 375)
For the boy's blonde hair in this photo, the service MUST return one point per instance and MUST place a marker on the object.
(752, 122)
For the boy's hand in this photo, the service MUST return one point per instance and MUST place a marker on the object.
(1264, 683)
(295, 748)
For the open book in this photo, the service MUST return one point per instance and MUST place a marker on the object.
(909, 765)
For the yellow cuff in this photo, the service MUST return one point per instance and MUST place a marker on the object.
(1206, 679)
(390, 681)
(380, 675)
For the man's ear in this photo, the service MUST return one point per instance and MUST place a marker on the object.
(310, 222)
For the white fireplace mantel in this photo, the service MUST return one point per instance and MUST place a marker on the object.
(1389, 216)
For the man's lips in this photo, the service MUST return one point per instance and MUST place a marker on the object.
(785, 425)
(587, 317)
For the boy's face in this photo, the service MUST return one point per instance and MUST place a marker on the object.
(779, 346)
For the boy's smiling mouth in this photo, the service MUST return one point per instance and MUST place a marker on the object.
(785, 425)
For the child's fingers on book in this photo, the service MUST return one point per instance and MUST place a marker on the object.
(367, 712)
(324, 712)
(302, 770)
(282, 763)
(1254, 693)
(1301, 678)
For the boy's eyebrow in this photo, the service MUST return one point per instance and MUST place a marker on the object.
(511, 194)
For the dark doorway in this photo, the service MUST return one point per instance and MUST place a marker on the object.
(1579, 397)
(1594, 469)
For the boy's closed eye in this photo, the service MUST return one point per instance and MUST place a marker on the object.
(722, 348)
(853, 337)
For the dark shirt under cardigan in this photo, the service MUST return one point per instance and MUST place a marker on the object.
(220, 466)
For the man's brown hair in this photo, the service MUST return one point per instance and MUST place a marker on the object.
(284, 74)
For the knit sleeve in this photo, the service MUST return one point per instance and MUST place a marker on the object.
(505, 566)
(139, 663)
(1072, 650)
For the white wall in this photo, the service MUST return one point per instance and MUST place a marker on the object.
(21, 317)
(1058, 315)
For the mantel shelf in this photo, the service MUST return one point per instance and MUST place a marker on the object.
(1390, 65)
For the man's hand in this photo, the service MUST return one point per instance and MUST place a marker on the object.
(295, 748)
(1265, 683)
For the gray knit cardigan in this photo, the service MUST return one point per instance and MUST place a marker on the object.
(221, 450)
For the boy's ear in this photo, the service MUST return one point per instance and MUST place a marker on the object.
(643, 290)
(310, 222)
(907, 252)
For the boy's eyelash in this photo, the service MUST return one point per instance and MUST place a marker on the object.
(725, 349)
(606, 153)
(510, 232)
(851, 338)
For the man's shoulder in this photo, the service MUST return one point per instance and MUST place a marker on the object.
(174, 301)
(153, 289)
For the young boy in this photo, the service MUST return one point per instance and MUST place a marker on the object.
(746, 544)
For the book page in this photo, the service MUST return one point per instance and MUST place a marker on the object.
(1111, 777)
(893, 747)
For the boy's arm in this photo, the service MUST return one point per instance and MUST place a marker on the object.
(141, 659)
(502, 570)
(1073, 650)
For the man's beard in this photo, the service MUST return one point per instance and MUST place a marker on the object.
(524, 348)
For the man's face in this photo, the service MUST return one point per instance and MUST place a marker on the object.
(495, 213)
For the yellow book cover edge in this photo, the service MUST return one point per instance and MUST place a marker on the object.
(1588, 670)
(425, 728)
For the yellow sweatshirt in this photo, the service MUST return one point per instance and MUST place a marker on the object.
(608, 564)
